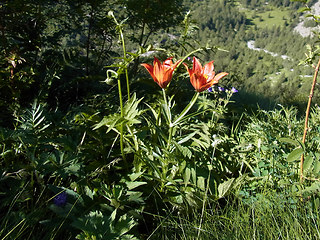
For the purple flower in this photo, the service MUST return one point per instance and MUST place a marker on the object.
(210, 89)
(234, 90)
(189, 58)
(221, 89)
(61, 199)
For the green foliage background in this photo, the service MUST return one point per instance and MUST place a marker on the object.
(144, 169)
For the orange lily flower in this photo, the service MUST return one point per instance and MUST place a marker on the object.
(202, 78)
(161, 73)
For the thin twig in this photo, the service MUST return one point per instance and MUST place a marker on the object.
(307, 117)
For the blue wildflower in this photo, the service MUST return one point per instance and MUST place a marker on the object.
(234, 90)
(60, 200)
(210, 89)
(221, 89)
(163, 41)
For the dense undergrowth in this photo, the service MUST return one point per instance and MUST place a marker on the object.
(95, 152)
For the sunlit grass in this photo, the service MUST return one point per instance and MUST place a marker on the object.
(265, 217)
(276, 17)
(266, 19)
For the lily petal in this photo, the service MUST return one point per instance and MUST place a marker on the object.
(149, 68)
(208, 68)
(202, 78)
(219, 76)
(197, 67)
(161, 72)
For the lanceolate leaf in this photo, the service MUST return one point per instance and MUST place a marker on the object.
(186, 110)
(224, 187)
(132, 185)
(307, 163)
(186, 176)
(184, 150)
(289, 140)
(188, 137)
(316, 168)
(295, 155)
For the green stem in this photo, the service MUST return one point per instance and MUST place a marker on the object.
(124, 57)
(124, 54)
(121, 127)
(170, 137)
(191, 53)
(168, 113)
(186, 110)
(22, 221)
(119, 87)
(205, 197)
(182, 114)
(164, 96)
(167, 107)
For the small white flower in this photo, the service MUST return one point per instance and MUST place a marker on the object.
(216, 140)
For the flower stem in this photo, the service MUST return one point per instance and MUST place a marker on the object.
(168, 114)
(182, 114)
(205, 196)
(167, 107)
(307, 117)
(124, 59)
(121, 127)
(189, 54)
(186, 110)
(119, 28)
(170, 137)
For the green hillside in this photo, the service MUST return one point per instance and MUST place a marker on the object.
(159, 119)
(268, 17)
(271, 27)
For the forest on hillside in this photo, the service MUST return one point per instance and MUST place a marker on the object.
(77, 40)
(158, 119)
(257, 73)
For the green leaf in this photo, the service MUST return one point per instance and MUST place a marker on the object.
(184, 150)
(132, 185)
(109, 121)
(191, 115)
(131, 108)
(186, 176)
(182, 166)
(186, 110)
(316, 203)
(113, 215)
(316, 168)
(201, 183)
(135, 197)
(313, 188)
(5, 152)
(304, 9)
(154, 112)
(265, 172)
(289, 140)
(88, 192)
(135, 176)
(295, 155)
(188, 137)
(193, 175)
(309, 15)
(124, 225)
(224, 187)
(307, 163)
